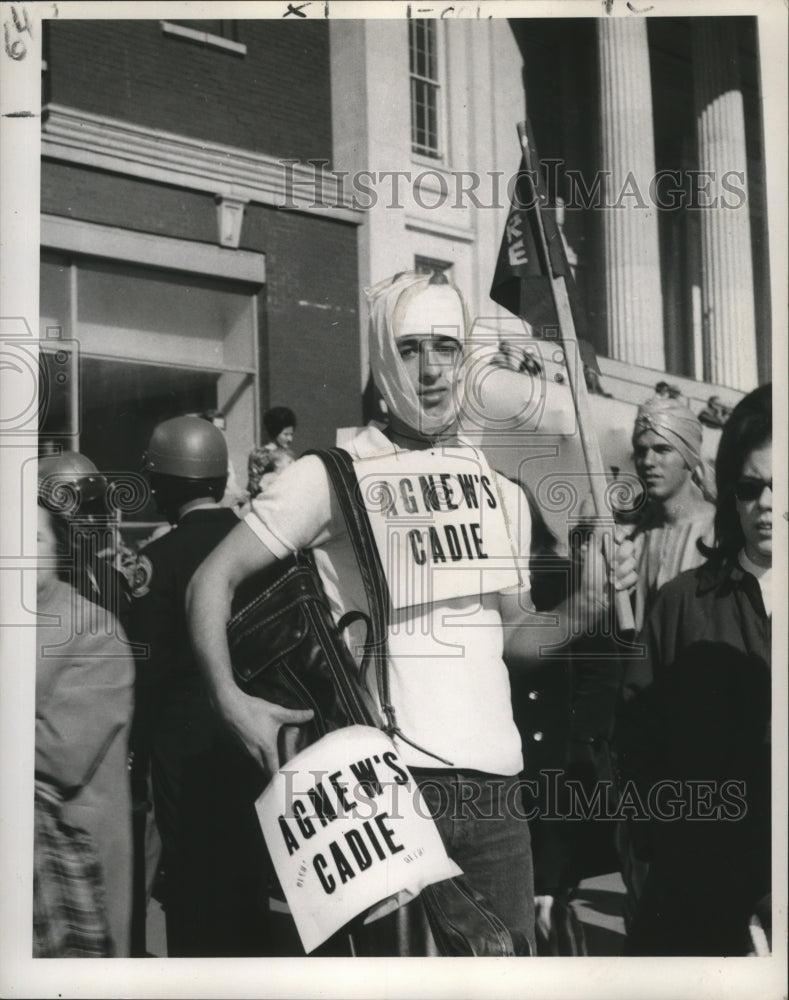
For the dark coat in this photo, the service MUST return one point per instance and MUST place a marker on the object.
(698, 710)
(173, 715)
(96, 579)
(204, 785)
(564, 709)
(158, 614)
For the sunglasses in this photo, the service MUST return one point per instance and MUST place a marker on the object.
(748, 490)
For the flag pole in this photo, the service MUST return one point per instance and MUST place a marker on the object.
(589, 443)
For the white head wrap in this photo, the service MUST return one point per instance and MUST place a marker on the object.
(405, 305)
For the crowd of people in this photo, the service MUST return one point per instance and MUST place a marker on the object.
(149, 756)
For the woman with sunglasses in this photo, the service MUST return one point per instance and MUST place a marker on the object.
(694, 726)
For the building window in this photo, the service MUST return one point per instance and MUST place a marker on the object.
(217, 33)
(425, 69)
(126, 346)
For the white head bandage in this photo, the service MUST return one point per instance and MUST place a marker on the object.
(409, 305)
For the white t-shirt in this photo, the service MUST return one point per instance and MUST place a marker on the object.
(449, 683)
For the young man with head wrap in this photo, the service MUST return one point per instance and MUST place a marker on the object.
(667, 438)
(678, 514)
(449, 683)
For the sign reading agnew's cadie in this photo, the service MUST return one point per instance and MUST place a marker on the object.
(348, 833)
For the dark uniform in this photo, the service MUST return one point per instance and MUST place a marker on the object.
(564, 709)
(95, 578)
(203, 786)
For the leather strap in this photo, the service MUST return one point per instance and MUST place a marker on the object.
(339, 466)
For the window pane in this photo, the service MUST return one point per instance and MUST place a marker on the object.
(122, 402)
(432, 117)
(424, 118)
(417, 125)
(54, 305)
(142, 313)
(141, 333)
(423, 61)
(431, 68)
(423, 49)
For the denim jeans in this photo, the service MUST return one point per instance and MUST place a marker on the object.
(480, 819)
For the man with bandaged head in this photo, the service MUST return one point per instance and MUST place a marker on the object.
(448, 681)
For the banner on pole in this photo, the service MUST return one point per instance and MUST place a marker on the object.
(521, 279)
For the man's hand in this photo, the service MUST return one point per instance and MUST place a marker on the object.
(625, 570)
(609, 564)
(582, 611)
(593, 596)
(256, 724)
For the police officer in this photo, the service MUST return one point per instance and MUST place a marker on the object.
(204, 807)
(72, 487)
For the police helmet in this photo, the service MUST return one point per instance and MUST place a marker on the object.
(187, 447)
(69, 482)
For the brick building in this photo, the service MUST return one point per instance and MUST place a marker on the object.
(165, 255)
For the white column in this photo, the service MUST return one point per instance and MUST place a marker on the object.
(632, 254)
(728, 314)
(371, 126)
